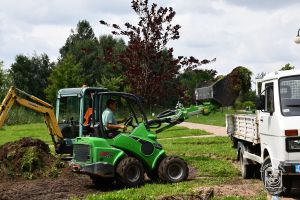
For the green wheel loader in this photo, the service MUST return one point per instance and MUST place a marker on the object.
(125, 156)
(103, 154)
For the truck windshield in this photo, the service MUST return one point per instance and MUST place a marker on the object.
(289, 89)
(69, 109)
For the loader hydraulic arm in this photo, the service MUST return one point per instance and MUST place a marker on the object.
(34, 104)
(174, 117)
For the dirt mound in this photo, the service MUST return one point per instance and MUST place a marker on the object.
(27, 158)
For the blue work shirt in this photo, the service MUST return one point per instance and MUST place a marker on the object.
(108, 118)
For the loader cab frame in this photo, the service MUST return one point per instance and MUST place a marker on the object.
(129, 106)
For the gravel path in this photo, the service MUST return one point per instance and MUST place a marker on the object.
(216, 130)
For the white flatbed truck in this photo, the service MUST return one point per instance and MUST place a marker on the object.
(268, 142)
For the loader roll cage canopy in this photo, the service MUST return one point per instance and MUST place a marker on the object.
(133, 102)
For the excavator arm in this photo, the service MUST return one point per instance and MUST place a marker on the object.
(34, 104)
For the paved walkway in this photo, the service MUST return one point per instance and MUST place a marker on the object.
(216, 130)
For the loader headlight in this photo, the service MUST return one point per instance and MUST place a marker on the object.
(293, 144)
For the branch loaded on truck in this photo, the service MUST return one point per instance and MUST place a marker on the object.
(268, 142)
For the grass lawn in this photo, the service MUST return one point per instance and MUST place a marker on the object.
(216, 118)
(39, 130)
(15, 132)
(179, 132)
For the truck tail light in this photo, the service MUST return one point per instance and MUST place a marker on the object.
(293, 132)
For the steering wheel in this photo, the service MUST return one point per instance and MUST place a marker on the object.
(129, 121)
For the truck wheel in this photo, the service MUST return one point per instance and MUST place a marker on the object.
(246, 170)
(173, 169)
(271, 182)
(101, 181)
(130, 172)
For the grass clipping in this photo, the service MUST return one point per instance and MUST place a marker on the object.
(28, 158)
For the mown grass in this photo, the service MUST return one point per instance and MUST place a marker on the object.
(15, 132)
(180, 132)
(215, 118)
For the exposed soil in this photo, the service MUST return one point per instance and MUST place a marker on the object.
(204, 194)
(30, 158)
(63, 187)
(239, 187)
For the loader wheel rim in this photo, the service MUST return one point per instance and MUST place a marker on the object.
(175, 171)
(133, 173)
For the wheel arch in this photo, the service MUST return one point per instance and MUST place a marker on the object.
(265, 153)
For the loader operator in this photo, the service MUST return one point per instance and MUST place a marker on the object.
(109, 122)
(88, 115)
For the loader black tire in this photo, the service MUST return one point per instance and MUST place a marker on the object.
(130, 172)
(173, 169)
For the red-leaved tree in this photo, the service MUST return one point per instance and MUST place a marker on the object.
(149, 63)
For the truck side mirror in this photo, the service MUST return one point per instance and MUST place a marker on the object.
(260, 102)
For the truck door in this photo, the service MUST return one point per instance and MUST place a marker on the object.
(265, 116)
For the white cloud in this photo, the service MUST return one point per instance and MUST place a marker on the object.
(256, 34)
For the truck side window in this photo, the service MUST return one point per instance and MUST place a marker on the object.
(269, 97)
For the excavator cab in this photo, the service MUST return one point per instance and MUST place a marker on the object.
(71, 107)
(67, 123)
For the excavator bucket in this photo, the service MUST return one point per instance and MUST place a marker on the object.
(219, 92)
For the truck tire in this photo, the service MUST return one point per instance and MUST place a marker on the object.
(246, 170)
(265, 168)
(102, 182)
(130, 172)
(173, 169)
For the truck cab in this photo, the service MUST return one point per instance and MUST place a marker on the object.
(278, 117)
(268, 142)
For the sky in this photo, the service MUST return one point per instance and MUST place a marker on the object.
(257, 34)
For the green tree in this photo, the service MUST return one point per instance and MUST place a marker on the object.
(287, 66)
(31, 73)
(111, 49)
(98, 57)
(113, 83)
(66, 74)
(83, 32)
(5, 81)
(240, 79)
